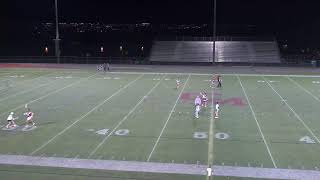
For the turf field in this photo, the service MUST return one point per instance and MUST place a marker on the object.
(265, 121)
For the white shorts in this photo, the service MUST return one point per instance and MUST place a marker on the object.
(197, 108)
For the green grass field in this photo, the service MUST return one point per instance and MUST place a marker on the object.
(265, 121)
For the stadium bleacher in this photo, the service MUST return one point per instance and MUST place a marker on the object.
(226, 51)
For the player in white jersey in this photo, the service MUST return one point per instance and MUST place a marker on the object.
(29, 116)
(11, 119)
(197, 103)
(216, 116)
(212, 81)
(204, 99)
(177, 83)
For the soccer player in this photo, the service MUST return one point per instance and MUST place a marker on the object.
(104, 67)
(213, 80)
(29, 116)
(216, 113)
(11, 119)
(177, 83)
(204, 99)
(219, 80)
(197, 103)
(108, 66)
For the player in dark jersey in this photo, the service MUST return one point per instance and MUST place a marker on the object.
(219, 81)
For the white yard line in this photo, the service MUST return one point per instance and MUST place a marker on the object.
(26, 80)
(6, 72)
(163, 168)
(211, 133)
(3, 76)
(296, 83)
(292, 110)
(165, 125)
(124, 119)
(223, 74)
(2, 88)
(258, 124)
(27, 90)
(49, 94)
(85, 115)
(196, 74)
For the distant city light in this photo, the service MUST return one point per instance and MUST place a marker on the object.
(142, 48)
(120, 48)
(101, 49)
(46, 50)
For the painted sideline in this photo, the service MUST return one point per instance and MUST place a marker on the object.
(152, 167)
(196, 74)
(223, 74)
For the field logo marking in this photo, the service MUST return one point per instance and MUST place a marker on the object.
(307, 140)
(315, 82)
(257, 122)
(170, 114)
(124, 118)
(85, 115)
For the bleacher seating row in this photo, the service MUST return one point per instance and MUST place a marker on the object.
(226, 51)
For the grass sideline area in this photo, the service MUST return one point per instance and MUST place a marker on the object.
(265, 121)
(29, 172)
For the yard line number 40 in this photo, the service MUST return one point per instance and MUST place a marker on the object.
(120, 132)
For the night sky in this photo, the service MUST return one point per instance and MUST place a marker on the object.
(168, 11)
(284, 18)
